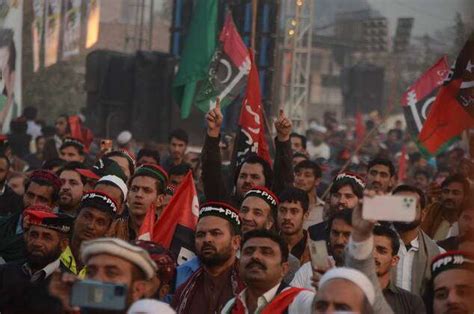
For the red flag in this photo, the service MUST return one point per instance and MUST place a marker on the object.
(402, 165)
(359, 127)
(146, 229)
(79, 131)
(251, 122)
(177, 223)
(450, 113)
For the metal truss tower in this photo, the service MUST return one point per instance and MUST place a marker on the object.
(298, 16)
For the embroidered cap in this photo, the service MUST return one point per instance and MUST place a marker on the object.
(100, 201)
(50, 220)
(222, 210)
(264, 194)
(452, 260)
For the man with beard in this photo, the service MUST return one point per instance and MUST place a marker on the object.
(42, 188)
(10, 202)
(177, 145)
(292, 212)
(46, 237)
(417, 249)
(307, 178)
(253, 171)
(72, 188)
(96, 213)
(381, 175)
(340, 229)
(466, 229)
(452, 287)
(263, 264)
(346, 191)
(386, 246)
(258, 209)
(109, 260)
(72, 149)
(147, 188)
(440, 219)
(217, 239)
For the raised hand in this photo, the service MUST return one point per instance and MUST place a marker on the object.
(283, 127)
(362, 229)
(214, 120)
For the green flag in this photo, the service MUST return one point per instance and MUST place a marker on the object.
(199, 48)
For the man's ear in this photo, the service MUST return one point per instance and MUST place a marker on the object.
(285, 266)
(139, 289)
(236, 240)
(395, 260)
(164, 291)
(159, 200)
(64, 243)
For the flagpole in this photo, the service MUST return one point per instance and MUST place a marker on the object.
(254, 24)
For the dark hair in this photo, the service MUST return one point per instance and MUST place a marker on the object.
(30, 113)
(385, 231)
(179, 134)
(39, 137)
(149, 153)
(412, 189)
(293, 195)
(308, 164)
(267, 234)
(118, 153)
(255, 159)
(298, 154)
(179, 170)
(73, 166)
(79, 148)
(357, 189)
(160, 188)
(457, 178)
(2, 156)
(384, 162)
(53, 163)
(301, 137)
(43, 182)
(344, 214)
(422, 172)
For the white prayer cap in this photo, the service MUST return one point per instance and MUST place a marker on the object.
(124, 137)
(150, 306)
(117, 181)
(353, 276)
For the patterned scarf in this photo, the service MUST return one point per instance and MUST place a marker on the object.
(186, 292)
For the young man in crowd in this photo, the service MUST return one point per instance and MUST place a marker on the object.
(47, 236)
(381, 176)
(292, 212)
(125, 160)
(72, 149)
(147, 188)
(177, 145)
(263, 264)
(298, 143)
(307, 178)
(466, 229)
(148, 156)
(417, 249)
(72, 188)
(62, 129)
(115, 187)
(217, 280)
(441, 216)
(42, 189)
(10, 202)
(386, 246)
(253, 171)
(95, 216)
(177, 173)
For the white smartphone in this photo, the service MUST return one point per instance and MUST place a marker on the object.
(389, 208)
(319, 254)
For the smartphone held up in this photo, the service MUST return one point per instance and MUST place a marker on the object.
(389, 208)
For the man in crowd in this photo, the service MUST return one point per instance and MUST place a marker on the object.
(417, 248)
(115, 187)
(109, 260)
(72, 149)
(422, 179)
(177, 145)
(298, 143)
(381, 176)
(441, 216)
(62, 130)
(125, 160)
(72, 188)
(148, 156)
(346, 191)
(292, 212)
(452, 287)
(217, 240)
(263, 264)
(466, 229)
(95, 216)
(386, 246)
(46, 237)
(253, 171)
(177, 173)
(10, 202)
(42, 188)
(307, 178)
(147, 188)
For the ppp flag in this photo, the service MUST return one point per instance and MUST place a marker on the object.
(177, 223)
(251, 136)
(228, 70)
(453, 109)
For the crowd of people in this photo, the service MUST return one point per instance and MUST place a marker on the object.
(72, 207)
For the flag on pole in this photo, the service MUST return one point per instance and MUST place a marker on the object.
(453, 109)
(175, 227)
(360, 129)
(146, 230)
(402, 165)
(251, 138)
(228, 70)
(199, 48)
